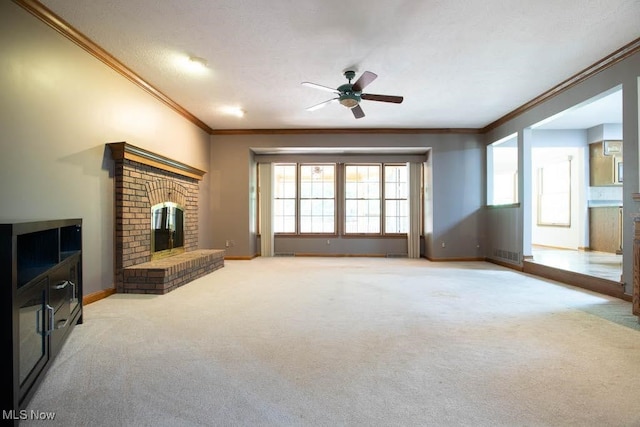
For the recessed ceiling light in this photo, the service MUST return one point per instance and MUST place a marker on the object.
(192, 64)
(198, 62)
(232, 111)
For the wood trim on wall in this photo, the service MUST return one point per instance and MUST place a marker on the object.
(331, 255)
(454, 259)
(60, 25)
(635, 293)
(122, 150)
(96, 296)
(504, 264)
(239, 258)
(333, 131)
(584, 281)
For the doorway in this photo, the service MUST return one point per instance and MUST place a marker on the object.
(576, 218)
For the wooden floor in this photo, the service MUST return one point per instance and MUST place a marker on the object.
(597, 271)
(598, 264)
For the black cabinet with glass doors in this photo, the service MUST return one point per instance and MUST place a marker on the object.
(41, 282)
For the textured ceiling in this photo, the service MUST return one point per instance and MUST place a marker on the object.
(458, 63)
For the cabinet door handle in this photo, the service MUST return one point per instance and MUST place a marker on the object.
(38, 323)
(51, 319)
(61, 285)
(61, 323)
(73, 291)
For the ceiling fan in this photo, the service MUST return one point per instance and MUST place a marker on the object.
(350, 95)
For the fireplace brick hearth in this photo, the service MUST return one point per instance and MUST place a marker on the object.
(166, 274)
(143, 179)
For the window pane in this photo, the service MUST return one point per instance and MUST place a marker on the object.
(284, 198)
(351, 189)
(305, 190)
(390, 208)
(328, 208)
(305, 207)
(554, 193)
(328, 190)
(284, 179)
(362, 198)
(317, 204)
(289, 223)
(290, 207)
(502, 171)
(396, 189)
(316, 207)
(374, 208)
(390, 191)
(305, 224)
(396, 218)
(290, 190)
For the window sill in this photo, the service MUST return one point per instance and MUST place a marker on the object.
(510, 205)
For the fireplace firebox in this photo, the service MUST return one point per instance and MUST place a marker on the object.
(167, 229)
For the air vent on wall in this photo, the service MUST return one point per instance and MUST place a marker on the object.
(508, 255)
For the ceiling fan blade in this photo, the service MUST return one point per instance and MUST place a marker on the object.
(357, 112)
(362, 82)
(322, 104)
(317, 86)
(382, 98)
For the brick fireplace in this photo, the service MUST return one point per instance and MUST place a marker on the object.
(142, 180)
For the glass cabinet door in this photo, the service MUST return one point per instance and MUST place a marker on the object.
(34, 324)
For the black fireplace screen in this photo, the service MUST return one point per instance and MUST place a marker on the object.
(167, 227)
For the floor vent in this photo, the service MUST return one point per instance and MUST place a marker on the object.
(508, 255)
(285, 254)
(397, 255)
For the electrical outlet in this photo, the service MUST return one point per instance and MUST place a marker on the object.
(226, 244)
(328, 242)
(443, 245)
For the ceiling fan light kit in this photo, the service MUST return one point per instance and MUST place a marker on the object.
(350, 95)
(349, 100)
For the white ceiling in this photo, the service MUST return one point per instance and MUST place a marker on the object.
(458, 64)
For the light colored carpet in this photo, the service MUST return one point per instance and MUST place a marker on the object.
(351, 342)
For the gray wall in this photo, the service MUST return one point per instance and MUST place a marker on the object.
(505, 225)
(457, 190)
(59, 107)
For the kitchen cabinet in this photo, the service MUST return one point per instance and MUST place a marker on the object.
(605, 163)
(605, 229)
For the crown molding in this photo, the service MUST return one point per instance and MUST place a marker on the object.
(61, 26)
(608, 61)
(333, 131)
